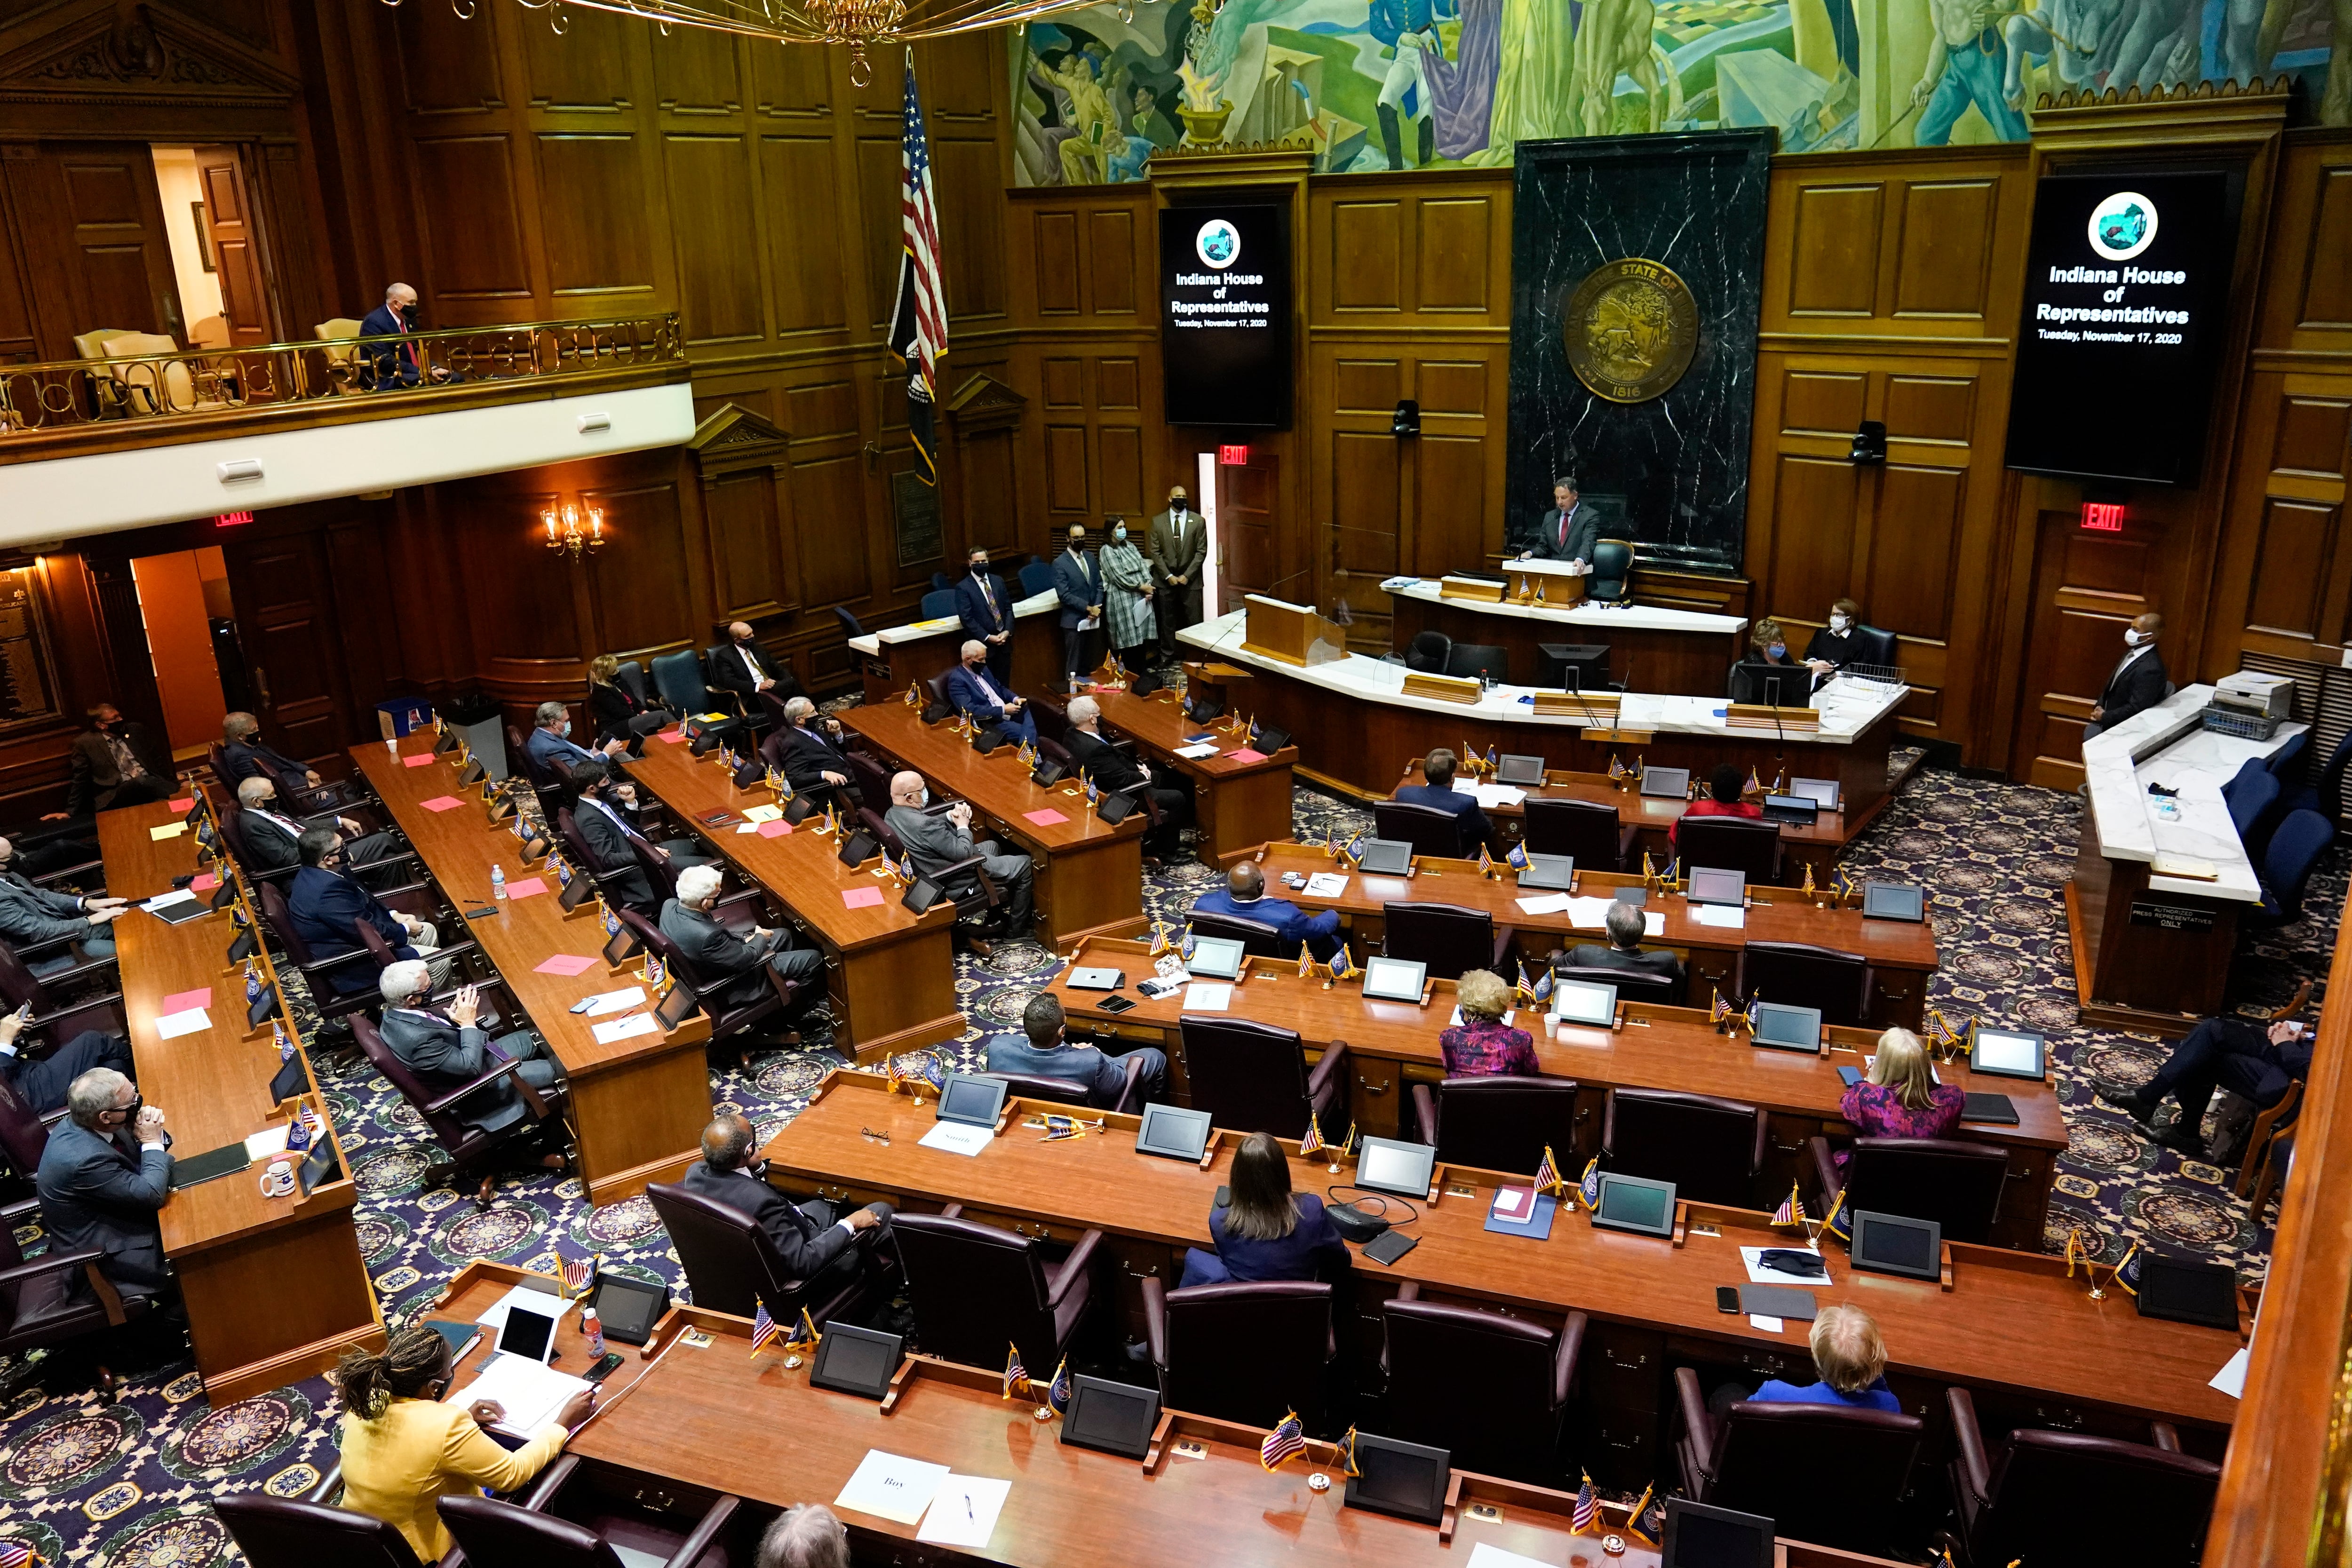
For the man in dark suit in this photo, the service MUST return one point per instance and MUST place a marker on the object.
(973, 688)
(936, 841)
(397, 364)
(103, 1175)
(1077, 582)
(985, 605)
(604, 823)
(1177, 542)
(818, 1245)
(718, 954)
(273, 840)
(2138, 683)
(1043, 1050)
(751, 672)
(1437, 790)
(41, 1081)
(550, 742)
(115, 763)
(1111, 771)
(2250, 1058)
(1626, 928)
(246, 757)
(31, 915)
(447, 1049)
(814, 754)
(1569, 531)
(324, 902)
(1243, 897)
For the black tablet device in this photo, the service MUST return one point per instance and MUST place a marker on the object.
(1713, 885)
(528, 1334)
(851, 1360)
(291, 1080)
(323, 1166)
(1890, 1244)
(1796, 810)
(1521, 773)
(264, 1007)
(1115, 1418)
(2186, 1291)
(1555, 872)
(1271, 738)
(858, 849)
(1173, 1130)
(1849, 1075)
(628, 1308)
(1788, 1029)
(1406, 1479)
(1114, 807)
(1047, 773)
(971, 1098)
(1390, 1245)
(2008, 1053)
(1668, 784)
(1700, 1535)
(1998, 1109)
(1637, 897)
(920, 895)
(1392, 1165)
(1894, 901)
(1215, 958)
(1636, 1204)
(1387, 857)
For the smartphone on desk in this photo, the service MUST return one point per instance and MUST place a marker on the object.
(1116, 1005)
(1849, 1075)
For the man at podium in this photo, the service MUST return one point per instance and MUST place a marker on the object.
(1569, 529)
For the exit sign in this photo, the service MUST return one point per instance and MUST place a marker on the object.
(1233, 456)
(231, 518)
(2104, 516)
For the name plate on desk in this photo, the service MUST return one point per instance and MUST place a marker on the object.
(1596, 708)
(1443, 687)
(1763, 716)
(2170, 917)
(1483, 589)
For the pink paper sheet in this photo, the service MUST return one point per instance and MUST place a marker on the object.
(673, 736)
(442, 803)
(564, 963)
(526, 888)
(1045, 818)
(180, 1001)
(1246, 755)
(205, 883)
(421, 760)
(181, 807)
(776, 830)
(860, 897)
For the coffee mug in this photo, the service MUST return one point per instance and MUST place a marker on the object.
(277, 1179)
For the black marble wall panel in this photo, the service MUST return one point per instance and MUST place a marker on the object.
(1676, 466)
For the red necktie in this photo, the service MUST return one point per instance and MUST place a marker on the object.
(1563, 530)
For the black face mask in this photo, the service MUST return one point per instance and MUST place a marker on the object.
(408, 314)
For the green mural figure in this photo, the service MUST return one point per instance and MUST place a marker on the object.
(1617, 36)
(1536, 91)
(1967, 63)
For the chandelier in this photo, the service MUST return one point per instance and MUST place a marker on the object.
(859, 23)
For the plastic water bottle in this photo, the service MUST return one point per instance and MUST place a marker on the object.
(498, 881)
(592, 1331)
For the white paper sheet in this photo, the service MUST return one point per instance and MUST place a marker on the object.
(530, 1393)
(964, 1511)
(1731, 917)
(746, 827)
(165, 900)
(1589, 914)
(528, 1298)
(627, 1028)
(614, 1000)
(1486, 1556)
(1547, 904)
(1769, 1325)
(1326, 884)
(1759, 1274)
(957, 1137)
(889, 1486)
(1204, 996)
(1206, 749)
(187, 1021)
(1498, 794)
(1653, 924)
(2232, 1379)
(269, 1140)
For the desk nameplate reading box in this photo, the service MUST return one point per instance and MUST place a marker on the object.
(1484, 590)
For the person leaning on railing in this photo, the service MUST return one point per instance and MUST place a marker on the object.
(398, 365)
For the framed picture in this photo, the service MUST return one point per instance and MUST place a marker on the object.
(204, 237)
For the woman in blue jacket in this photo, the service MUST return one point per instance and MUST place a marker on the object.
(1266, 1231)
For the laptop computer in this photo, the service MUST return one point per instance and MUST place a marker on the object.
(1100, 979)
(1522, 773)
(1786, 1028)
(1389, 1165)
(1585, 1002)
(972, 1100)
(1217, 957)
(1553, 871)
(1712, 885)
(1173, 1132)
(1387, 857)
(1394, 979)
(1666, 782)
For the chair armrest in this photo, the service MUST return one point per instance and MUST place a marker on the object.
(549, 1482)
(17, 1212)
(1563, 1360)
(1828, 1182)
(72, 973)
(70, 1009)
(1408, 1291)
(1503, 937)
(1696, 1421)
(328, 1485)
(1424, 1111)
(691, 1549)
(49, 877)
(2166, 1435)
(1128, 1103)
(454, 1095)
(1074, 1267)
(1155, 1319)
(1329, 1078)
(50, 1263)
(1968, 1439)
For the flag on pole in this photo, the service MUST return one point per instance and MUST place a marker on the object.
(1588, 1188)
(918, 326)
(2128, 1272)
(1312, 1143)
(1343, 1457)
(16, 1554)
(1283, 1442)
(1016, 1377)
(1648, 1522)
(764, 1328)
(1791, 1215)
(1588, 1508)
(1058, 1392)
(1548, 1176)
(1518, 858)
(1836, 1221)
(804, 1336)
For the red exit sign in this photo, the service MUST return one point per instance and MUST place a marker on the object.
(231, 518)
(2105, 516)
(1233, 456)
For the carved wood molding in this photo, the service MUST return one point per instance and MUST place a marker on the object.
(984, 403)
(733, 439)
(142, 55)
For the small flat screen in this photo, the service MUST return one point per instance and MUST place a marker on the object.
(1173, 1130)
(528, 1334)
(857, 848)
(1789, 1028)
(1394, 979)
(1821, 792)
(970, 1098)
(852, 1360)
(1217, 957)
(1115, 1418)
(1790, 809)
(1889, 1244)
(1894, 901)
(2010, 1053)
(1523, 773)
(1386, 1166)
(1585, 1002)
(1387, 857)
(627, 1307)
(1701, 1536)
(1402, 1479)
(1711, 885)
(1673, 781)
(1633, 1203)
(2188, 1292)
(1553, 871)
(1098, 979)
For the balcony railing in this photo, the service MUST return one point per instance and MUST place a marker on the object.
(175, 392)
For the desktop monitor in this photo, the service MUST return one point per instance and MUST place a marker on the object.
(1386, 856)
(1894, 901)
(628, 1309)
(323, 1166)
(1713, 885)
(1551, 871)
(1774, 685)
(1521, 773)
(1114, 1418)
(1173, 1132)
(1394, 979)
(970, 1098)
(858, 849)
(1666, 782)
(2008, 1053)
(1890, 1244)
(1216, 958)
(1788, 1029)
(1821, 792)
(1796, 810)
(1387, 1165)
(1700, 1535)
(1635, 1204)
(1403, 1478)
(851, 1360)
(1585, 1002)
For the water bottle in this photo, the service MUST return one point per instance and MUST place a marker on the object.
(592, 1331)
(498, 881)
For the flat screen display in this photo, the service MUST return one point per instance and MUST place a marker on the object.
(2127, 285)
(1894, 901)
(2011, 1053)
(1713, 885)
(968, 1098)
(851, 1360)
(1549, 871)
(1527, 773)
(1585, 1002)
(1387, 857)
(1224, 315)
(1666, 783)
(1394, 979)
(1822, 790)
(526, 1333)
(1386, 1166)
(1116, 1418)
(1635, 1203)
(1888, 1243)
(1790, 1028)
(1402, 1479)
(1173, 1130)
(1217, 957)
(1699, 1536)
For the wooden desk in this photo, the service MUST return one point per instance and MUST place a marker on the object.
(1089, 875)
(2013, 1328)
(233, 1249)
(1901, 954)
(1237, 804)
(1391, 1045)
(901, 655)
(1672, 650)
(891, 975)
(638, 1106)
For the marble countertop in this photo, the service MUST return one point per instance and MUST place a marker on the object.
(2167, 745)
(871, 643)
(1632, 617)
(1847, 707)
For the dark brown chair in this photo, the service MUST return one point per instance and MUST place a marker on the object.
(1741, 1460)
(1070, 1091)
(1242, 1353)
(1429, 830)
(1053, 720)
(1253, 1077)
(977, 1290)
(42, 1303)
(280, 1533)
(2067, 1496)
(1633, 984)
(1585, 830)
(731, 1265)
(1259, 939)
(489, 1531)
(1522, 1371)
(1951, 1181)
(1448, 938)
(1055, 753)
(584, 859)
(1497, 1123)
(473, 1151)
(23, 1137)
(1710, 1149)
(356, 970)
(708, 991)
(966, 883)
(1803, 975)
(66, 1003)
(1732, 844)
(872, 779)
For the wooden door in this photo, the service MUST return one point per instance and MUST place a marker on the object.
(1246, 497)
(91, 217)
(2087, 587)
(237, 246)
(287, 620)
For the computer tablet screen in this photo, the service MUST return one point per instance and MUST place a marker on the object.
(1788, 1029)
(2008, 1053)
(1712, 885)
(1402, 1479)
(857, 848)
(1700, 1535)
(1585, 1002)
(1666, 782)
(1173, 1130)
(1114, 1418)
(1386, 1166)
(1387, 857)
(971, 1098)
(1891, 1244)
(1394, 979)
(851, 1360)
(1894, 901)
(1525, 773)
(1217, 957)
(1553, 871)
(528, 1334)
(2188, 1292)
(1796, 808)
(1822, 792)
(1635, 1204)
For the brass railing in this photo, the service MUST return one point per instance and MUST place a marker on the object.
(210, 384)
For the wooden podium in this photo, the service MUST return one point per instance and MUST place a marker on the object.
(1561, 588)
(1294, 634)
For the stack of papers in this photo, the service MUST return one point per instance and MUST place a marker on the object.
(1204, 996)
(1514, 1205)
(1489, 794)
(1589, 914)
(1327, 885)
(1206, 749)
(532, 1393)
(1548, 903)
(1729, 915)
(890, 1487)
(958, 1138)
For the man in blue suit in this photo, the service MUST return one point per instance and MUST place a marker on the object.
(1437, 790)
(397, 365)
(324, 903)
(985, 605)
(1077, 582)
(550, 741)
(1244, 896)
(974, 689)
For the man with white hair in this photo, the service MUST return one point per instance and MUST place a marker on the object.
(550, 741)
(396, 365)
(972, 687)
(939, 841)
(31, 915)
(448, 1048)
(813, 754)
(273, 840)
(104, 1174)
(1112, 770)
(717, 952)
(808, 1536)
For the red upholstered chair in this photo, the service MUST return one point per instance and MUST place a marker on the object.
(1242, 1353)
(1253, 1077)
(2067, 1496)
(977, 1290)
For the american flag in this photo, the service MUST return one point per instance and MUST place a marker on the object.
(918, 327)
(1791, 1212)
(1283, 1441)
(579, 1273)
(1312, 1143)
(1548, 1176)
(1588, 1508)
(1016, 1377)
(764, 1328)
(16, 1553)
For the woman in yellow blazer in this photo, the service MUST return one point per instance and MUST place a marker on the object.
(404, 1450)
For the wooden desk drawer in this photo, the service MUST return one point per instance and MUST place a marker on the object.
(1375, 1091)
(1720, 1361)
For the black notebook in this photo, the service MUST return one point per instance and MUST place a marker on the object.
(225, 1161)
(1994, 1108)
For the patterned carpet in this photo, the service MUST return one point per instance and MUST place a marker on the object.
(125, 1485)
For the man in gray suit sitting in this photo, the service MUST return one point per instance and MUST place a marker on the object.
(448, 1049)
(103, 1175)
(273, 840)
(819, 1244)
(31, 915)
(719, 955)
(937, 842)
(1625, 950)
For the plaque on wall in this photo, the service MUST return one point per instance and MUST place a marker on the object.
(2170, 917)
(27, 693)
(915, 518)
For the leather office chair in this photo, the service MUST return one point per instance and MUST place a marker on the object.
(356, 970)
(1522, 1372)
(1053, 720)
(1612, 577)
(1710, 1149)
(938, 604)
(872, 779)
(682, 679)
(1732, 844)
(1803, 975)
(708, 991)
(2067, 1496)
(976, 1290)
(489, 1531)
(280, 1533)
(88, 995)
(966, 883)
(1428, 651)
(1633, 984)
(1259, 939)
(75, 975)
(1057, 753)
(584, 859)
(1429, 830)
(1740, 1460)
(2287, 863)
(731, 1265)
(23, 1136)
(1583, 828)
(1874, 647)
(472, 1151)
(1497, 1123)
(1952, 1182)
(1253, 1077)
(1242, 1353)
(1473, 661)
(1036, 1086)
(1449, 939)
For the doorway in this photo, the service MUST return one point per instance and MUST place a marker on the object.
(1246, 495)
(2087, 587)
(215, 257)
(191, 625)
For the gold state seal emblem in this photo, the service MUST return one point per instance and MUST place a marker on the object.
(1631, 329)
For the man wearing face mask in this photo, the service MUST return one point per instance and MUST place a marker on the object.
(745, 667)
(272, 839)
(1127, 589)
(939, 840)
(2140, 682)
(550, 742)
(104, 1174)
(1834, 646)
(42, 1081)
(115, 765)
(1178, 544)
(972, 687)
(601, 813)
(397, 364)
(1077, 582)
(324, 901)
(985, 605)
(31, 915)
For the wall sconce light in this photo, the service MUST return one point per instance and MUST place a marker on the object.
(563, 530)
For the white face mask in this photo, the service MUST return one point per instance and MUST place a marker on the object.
(2132, 637)
(926, 795)
(1839, 623)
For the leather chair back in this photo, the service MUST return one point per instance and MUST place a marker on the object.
(1055, 753)
(1612, 569)
(938, 603)
(281, 917)
(2252, 798)
(2288, 859)
(518, 752)
(1429, 830)
(1710, 1149)
(20, 985)
(1871, 1452)
(1435, 1354)
(871, 820)
(1036, 577)
(1732, 844)
(731, 1263)
(1052, 720)
(489, 1532)
(631, 678)
(1473, 661)
(976, 1290)
(1953, 1181)
(1499, 1122)
(576, 844)
(1803, 975)
(1428, 652)
(709, 990)
(872, 779)
(1257, 938)
(1448, 938)
(448, 1130)
(22, 1135)
(278, 1533)
(678, 677)
(1250, 1352)
(1633, 984)
(1584, 829)
(2066, 1497)
(1036, 1086)
(1249, 1077)
(1872, 645)
(660, 873)
(849, 622)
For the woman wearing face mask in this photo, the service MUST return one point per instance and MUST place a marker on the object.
(1751, 677)
(1834, 646)
(1127, 613)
